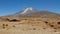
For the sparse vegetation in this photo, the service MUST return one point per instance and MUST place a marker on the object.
(33, 23)
(13, 25)
(55, 31)
(14, 20)
(46, 22)
(52, 25)
(4, 26)
(58, 22)
(44, 28)
(55, 28)
(34, 28)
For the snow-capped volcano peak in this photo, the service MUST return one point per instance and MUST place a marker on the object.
(28, 10)
(32, 12)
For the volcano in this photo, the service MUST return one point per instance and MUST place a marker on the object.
(32, 12)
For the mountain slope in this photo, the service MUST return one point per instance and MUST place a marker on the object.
(31, 12)
(26, 11)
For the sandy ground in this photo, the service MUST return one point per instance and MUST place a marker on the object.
(26, 32)
(30, 26)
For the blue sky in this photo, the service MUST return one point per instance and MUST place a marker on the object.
(13, 6)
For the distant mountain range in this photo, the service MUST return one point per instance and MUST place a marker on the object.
(31, 12)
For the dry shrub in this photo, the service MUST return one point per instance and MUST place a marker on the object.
(44, 28)
(13, 25)
(58, 22)
(14, 20)
(34, 28)
(3, 26)
(52, 25)
(46, 22)
(6, 24)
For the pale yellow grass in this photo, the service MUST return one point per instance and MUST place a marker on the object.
(30, 26)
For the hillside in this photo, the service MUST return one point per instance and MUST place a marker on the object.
(30, 21)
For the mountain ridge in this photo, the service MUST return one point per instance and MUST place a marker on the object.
(32, 12)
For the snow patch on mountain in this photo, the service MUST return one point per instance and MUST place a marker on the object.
(27, 9)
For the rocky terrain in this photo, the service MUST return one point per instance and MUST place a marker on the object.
(30, 21)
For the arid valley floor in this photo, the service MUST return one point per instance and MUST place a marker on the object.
(30, 25)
